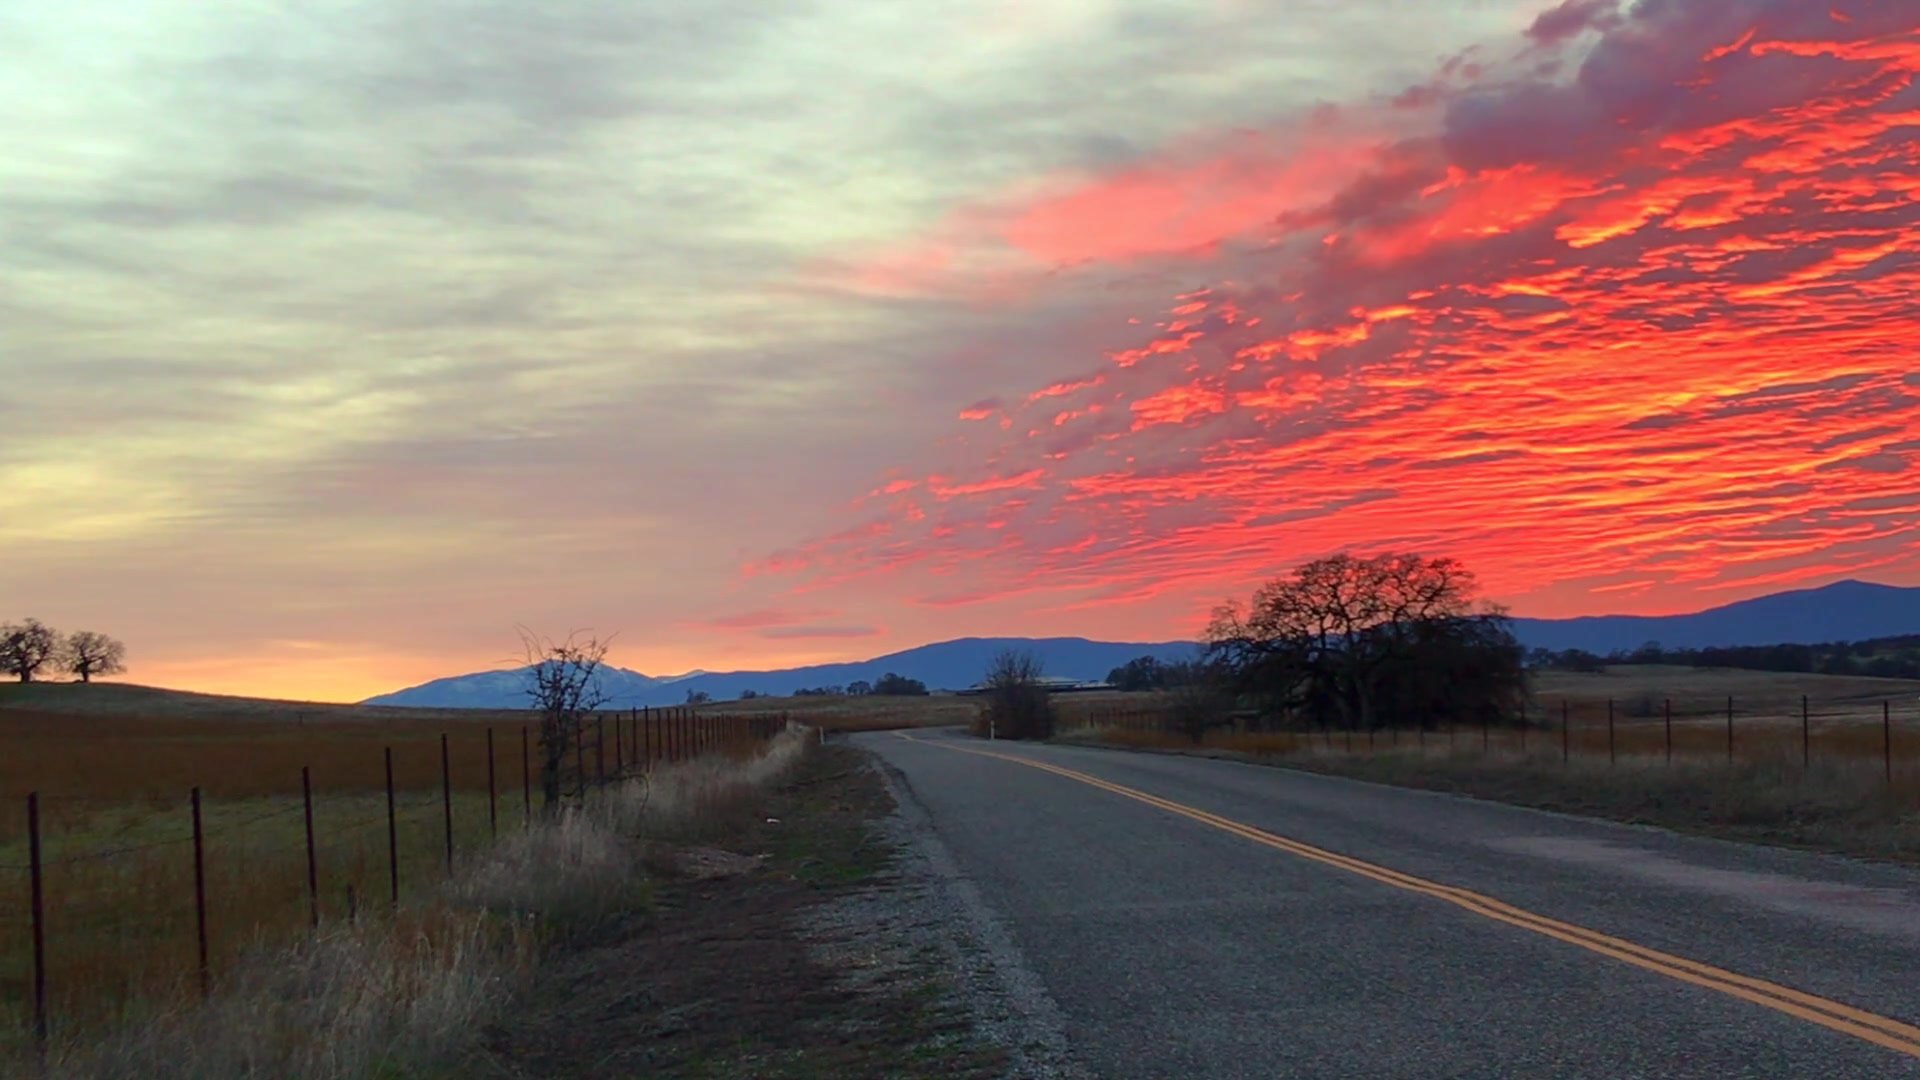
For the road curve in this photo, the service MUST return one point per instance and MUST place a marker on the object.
(1201, 919)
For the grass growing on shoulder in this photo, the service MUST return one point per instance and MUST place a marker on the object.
(408, 993)
(776, 962)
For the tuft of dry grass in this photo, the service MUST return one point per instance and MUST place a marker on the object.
(398, 997)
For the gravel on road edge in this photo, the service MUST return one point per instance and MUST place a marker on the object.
(929, 908)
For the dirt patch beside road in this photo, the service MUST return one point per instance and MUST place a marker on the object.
(742, 969)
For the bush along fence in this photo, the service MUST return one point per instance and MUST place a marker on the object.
(120, 898)
(1852, 731)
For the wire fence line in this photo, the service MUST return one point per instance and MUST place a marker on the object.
(93, 912)
(1856, 730)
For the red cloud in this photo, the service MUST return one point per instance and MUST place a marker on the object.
(1648, 325)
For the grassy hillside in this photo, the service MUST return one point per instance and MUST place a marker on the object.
(127, 699)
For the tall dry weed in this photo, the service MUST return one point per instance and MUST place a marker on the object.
(381, 998)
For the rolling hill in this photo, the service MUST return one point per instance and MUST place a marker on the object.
(1846, 611)
(946, 665)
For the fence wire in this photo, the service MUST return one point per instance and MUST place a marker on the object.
(148, 919)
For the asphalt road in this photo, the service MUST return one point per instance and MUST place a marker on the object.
(1183, 948)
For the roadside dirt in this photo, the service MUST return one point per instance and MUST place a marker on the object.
(730, 974)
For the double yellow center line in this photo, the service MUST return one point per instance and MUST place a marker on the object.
(1876, 1029)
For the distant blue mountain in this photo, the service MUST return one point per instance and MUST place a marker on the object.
(947, 665)
(1844, 611)
(1847, 611)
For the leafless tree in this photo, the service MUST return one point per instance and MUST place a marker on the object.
(1018, 705)
(87, 654)
(563, 684)
(1336, 630)
(26, 648)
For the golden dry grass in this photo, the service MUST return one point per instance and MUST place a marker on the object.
(116, 824)
(409, 993)
(872, 712)
(1850, 781)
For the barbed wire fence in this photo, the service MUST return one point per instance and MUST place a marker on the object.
(1854, 730)
(179, 883)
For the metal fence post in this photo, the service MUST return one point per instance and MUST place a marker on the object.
(580, 756)
(200, 895)
(1806, 733)
(393, 838)
(1886, 735)
(446, 798)
(36, 908)
(313, 862)
(493, 799)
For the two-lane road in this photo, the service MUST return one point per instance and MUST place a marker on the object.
(1205, 919)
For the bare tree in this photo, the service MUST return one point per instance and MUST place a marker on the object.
(87, 654)
(1346, 634)
(1018, 705)
(563, 684)
(26, 647)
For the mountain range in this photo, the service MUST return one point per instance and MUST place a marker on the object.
(1846, 611)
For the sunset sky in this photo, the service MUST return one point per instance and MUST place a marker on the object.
(341, 337)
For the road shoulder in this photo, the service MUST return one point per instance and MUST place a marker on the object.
(828, 945)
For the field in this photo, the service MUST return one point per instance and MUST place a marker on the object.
(114, 767)
(869, 713)
(1846, 781)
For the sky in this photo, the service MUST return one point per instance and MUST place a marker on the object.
(341, 338)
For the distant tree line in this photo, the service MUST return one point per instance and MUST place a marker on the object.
(1152, 673)
(856, 688)
(31, 649)
(1886, 658)
(888, 684)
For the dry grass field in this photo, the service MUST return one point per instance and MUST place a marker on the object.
(114, 765)
(866, 713)
(1849, 781)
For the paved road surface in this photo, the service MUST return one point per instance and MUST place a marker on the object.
(1180, 947)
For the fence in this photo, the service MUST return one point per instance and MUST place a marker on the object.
(124, 897)
(1853, 730)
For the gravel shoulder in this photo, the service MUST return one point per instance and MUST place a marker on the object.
(828, 938)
